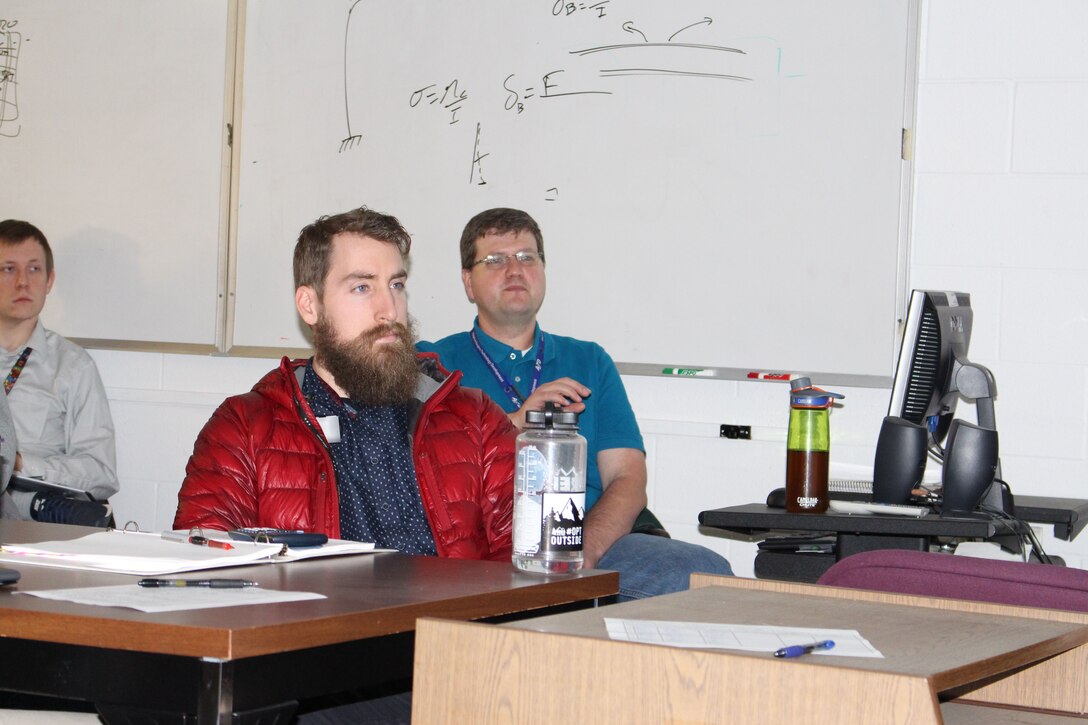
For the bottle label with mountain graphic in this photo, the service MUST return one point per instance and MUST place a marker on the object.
(549, 506)
(561, 527)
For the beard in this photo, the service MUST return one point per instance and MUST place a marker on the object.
(370, 374)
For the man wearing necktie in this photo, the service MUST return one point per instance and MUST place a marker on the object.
(57, 401)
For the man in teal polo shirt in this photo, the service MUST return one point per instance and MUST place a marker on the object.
(521, 367)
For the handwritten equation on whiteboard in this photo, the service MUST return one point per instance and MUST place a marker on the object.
(624, 60)
(10, 42)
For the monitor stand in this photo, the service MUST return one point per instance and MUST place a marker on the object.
(976, 383)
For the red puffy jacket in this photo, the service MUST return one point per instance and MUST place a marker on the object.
(262, 460)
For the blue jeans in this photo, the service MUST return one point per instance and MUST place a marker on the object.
(652, 565)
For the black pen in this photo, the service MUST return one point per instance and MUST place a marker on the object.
(212, 583)
(796, 650)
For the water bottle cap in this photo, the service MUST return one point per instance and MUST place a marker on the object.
(551, 417)
(803, 394)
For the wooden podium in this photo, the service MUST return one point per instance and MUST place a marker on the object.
(944, 661)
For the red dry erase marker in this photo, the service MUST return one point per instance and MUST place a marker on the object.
(768, 376)
(214, 543)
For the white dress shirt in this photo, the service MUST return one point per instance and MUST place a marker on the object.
(62, 417)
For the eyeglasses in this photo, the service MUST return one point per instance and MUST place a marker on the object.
(499, 261)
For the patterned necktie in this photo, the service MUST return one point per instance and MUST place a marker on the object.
(9, 381)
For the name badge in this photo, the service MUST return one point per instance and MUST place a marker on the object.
(330, 426)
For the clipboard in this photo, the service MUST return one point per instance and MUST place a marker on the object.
(25, 483)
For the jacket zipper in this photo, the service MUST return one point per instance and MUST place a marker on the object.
(328, 453)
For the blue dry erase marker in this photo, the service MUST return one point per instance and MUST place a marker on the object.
(796, 650)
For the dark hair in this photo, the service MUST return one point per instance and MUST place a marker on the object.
(497, 221)
(315, 241)
(13, 231)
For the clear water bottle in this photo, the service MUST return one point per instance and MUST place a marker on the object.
(808, 447)
(549, 492)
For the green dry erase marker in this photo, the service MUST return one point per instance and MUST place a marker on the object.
(688, 372)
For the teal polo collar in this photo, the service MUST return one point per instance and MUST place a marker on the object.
(501, 351)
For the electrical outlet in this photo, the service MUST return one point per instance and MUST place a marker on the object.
(742, 432)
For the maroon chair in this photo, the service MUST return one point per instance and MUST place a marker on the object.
(962, 577)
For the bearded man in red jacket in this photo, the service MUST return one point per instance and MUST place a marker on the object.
(367, 440)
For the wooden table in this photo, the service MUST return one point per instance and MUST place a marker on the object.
(252, 661)
(944, 661)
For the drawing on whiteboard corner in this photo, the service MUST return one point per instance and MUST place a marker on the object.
(10, 41)
(668, 56)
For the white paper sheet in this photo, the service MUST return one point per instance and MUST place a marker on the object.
(170, 599)
(134, 552)
(745, 637)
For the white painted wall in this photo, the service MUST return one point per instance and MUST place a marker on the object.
(1000, 210)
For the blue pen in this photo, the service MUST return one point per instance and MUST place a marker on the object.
(796, 650)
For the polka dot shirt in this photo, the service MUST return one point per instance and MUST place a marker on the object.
(375, 476)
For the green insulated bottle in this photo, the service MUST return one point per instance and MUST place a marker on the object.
(808, 446)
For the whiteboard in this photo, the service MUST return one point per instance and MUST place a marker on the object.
(720, 184)
(111, 142)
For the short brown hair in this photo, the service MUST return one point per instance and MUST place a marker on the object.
(315, 241)
(14, 231)
(497, 221)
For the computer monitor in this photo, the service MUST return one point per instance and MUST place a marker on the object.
(933, 370)
(936, 336)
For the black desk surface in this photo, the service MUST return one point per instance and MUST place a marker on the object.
(757, 518)
(1069, 515)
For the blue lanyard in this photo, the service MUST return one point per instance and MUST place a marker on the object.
(507, 386)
